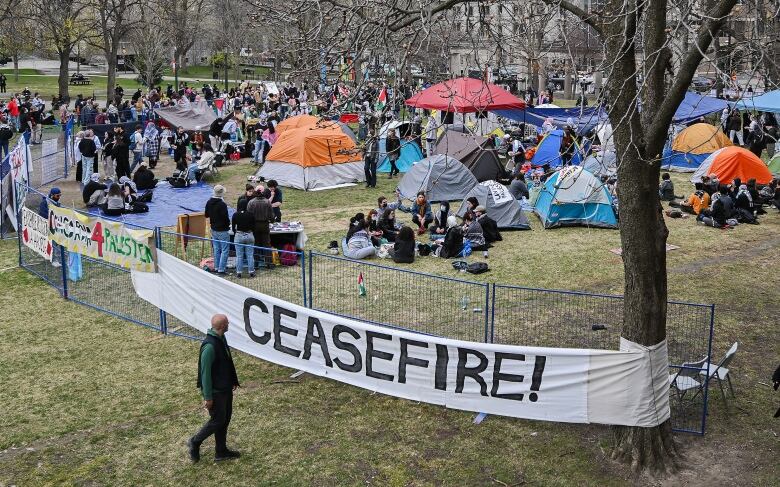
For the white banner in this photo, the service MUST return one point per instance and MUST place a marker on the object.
(35, 233)
(628, 387)
(500, 193)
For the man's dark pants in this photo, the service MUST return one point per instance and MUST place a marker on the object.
(370, 170)
(262, 233)
(217, 425)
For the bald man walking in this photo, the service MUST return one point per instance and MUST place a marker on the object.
(217, 379)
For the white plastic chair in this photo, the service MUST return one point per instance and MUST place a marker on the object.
(685, 379)
(720, 372)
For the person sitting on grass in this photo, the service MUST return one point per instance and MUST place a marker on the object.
(697, 201)
(403, 248)
(745, 207)
(383, 205)
(144, 178)
(422, 216)
(666, 189)
(439, 227)
(452, 243)
(115, 202)
(387, 226)
(758, 201)
(472, 231)
(94, 193)
(359, 244)
(489, 225)
(721, 211)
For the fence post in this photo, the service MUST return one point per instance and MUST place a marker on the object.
(163, 315)
(487, 313)
(707, 372)
(311, 281)
(303, 278)
(493, 314)
(64, 267)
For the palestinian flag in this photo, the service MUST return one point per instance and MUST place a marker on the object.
(381, 100)
(361, 285)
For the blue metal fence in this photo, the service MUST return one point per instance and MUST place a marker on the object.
(397, 298)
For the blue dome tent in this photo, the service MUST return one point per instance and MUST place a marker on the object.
(549, 151)
(410, 151)
(572, 197)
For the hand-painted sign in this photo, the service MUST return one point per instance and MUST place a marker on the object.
(102, 239)
(35, 233)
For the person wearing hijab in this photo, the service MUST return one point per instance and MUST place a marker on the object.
(439, 226)
(152, 144)
(452, 243)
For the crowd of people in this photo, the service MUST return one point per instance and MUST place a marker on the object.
(720, 205)
(250, 227)
(441, 234)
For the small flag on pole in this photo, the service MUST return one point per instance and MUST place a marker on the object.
(361, 285)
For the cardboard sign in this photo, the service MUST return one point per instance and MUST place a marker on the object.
(102, 239)
(35, 233)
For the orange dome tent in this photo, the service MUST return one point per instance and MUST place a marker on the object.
(733, 162)
(313, 154)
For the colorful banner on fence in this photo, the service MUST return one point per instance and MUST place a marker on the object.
(18, 170)
(102, 239)
(626, 387)
(35, 233)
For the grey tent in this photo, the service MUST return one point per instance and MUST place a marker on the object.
(601, 163)
(192, 116)
(475, 152)
(500, 205)
(442, 178)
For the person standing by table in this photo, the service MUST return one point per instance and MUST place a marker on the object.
(217, 379)
(217, 213)
(276, 199)
(260, 208)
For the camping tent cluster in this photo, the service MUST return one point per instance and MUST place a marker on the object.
(692, 146)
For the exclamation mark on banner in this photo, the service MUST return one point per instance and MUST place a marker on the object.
(536, 380)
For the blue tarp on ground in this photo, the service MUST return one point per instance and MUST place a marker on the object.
(695, 106)
(768, 102)
(584, 120)
(167, 204)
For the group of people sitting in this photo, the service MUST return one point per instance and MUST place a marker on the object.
(448, 237)
(722, 205)
(117, 198)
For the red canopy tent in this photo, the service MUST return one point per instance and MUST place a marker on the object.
(465, 95)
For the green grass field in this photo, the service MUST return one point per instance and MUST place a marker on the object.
(92, 399)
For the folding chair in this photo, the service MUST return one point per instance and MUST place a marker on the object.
(685, 379)
(721, 371)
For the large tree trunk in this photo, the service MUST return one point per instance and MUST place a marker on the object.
(111, 75)
(642, 229)
(64, 77)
